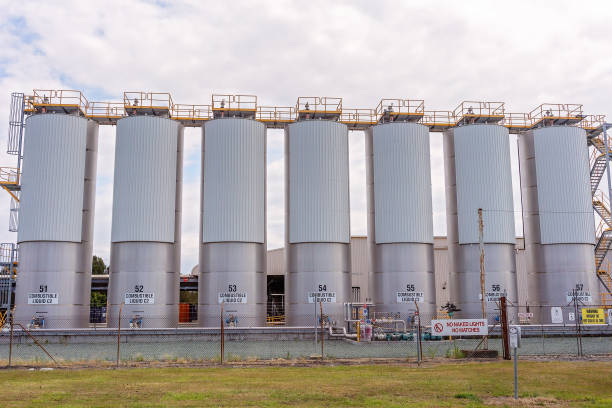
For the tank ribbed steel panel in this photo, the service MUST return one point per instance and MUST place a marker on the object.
(478, 175)
(55, 260)
(563, 183)
(145, 179)
(555, 266)
(145, 249)
(233, 231)
(400, 220)
(317, 220)
(318, 174)
(53, 178)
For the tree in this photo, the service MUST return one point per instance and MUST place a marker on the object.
(98, 267)
(97, 299)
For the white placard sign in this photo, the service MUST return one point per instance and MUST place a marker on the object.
(581, 296)
(410, 297)
(323, 297)
(459, 327)
(139, 298)
(556, 315)
(232, 297)
(42, 298)
(492, 296)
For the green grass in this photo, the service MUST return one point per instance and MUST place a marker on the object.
(582, 384)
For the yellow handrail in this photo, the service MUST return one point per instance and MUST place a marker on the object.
(358, 116)
(325, 104)
(191, 112)
(275, 114)
(234, 102)
(517, 120)
(59, 97)
(591, 122)
(556, 110)
(441, 118)
(105, 110)
(477, 108)
(138, 99)
(400, 106)
(9, 175)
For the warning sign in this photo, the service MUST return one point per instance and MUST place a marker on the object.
(323, 297)
(232, 297)
(593, 316)
(44, 298)
(139, 298)
(410, 297)
(460, 327)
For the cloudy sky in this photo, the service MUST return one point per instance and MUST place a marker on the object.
(522, 53)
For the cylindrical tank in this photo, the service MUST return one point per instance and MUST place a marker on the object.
(400, 224)
(558, 219)
(233, 223)
(478, 176)
(145, 247)
(56, 221)
(317, 211)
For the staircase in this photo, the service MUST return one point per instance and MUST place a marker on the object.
(601, 205)
(606, 279)
(597, 170)
(602, 247)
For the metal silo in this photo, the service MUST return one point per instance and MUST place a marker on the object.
(233, 223)
(56, 221)
(145, 247)
(400, 224)
(557, 218)
(478, 176)
(317, 211)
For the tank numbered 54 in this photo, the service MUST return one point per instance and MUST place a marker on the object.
(322, 295)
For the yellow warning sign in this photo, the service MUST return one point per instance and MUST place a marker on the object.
(593, 316)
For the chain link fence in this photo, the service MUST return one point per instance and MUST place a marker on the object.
(581, 330)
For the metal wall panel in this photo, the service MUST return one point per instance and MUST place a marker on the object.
(145, 182)
(564, 193)
(234, 179)
(53, 176)
(53, 268)
(484, 180)
(145, 267)
(318, 207)
(402, 183)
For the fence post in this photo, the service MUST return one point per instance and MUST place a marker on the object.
(322, 332)
(11, 342)
(119, 334)
(222, 336)
(504, 323)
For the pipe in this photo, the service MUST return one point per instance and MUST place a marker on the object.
(343, 334)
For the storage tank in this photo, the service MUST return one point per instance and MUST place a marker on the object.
(400, 223)
(233, 223)
(317, 211)
(145, 247)
(478, 175)
(558, 219)
(56, 221)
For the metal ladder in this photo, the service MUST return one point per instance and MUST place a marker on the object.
(16, 130)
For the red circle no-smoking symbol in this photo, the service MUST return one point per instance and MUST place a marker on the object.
(438, 328)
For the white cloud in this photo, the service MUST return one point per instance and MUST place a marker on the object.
(524, 54)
